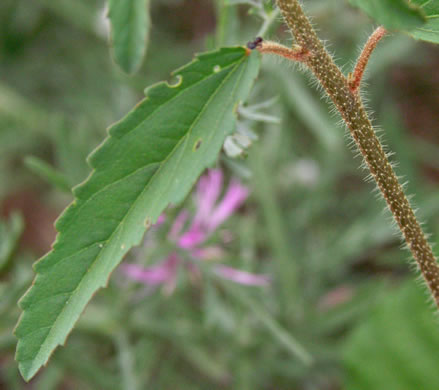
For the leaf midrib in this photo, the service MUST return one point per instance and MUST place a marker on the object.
(150, 115)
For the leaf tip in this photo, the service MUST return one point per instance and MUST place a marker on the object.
(26, 372)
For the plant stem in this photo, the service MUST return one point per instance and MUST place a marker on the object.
(352, 111)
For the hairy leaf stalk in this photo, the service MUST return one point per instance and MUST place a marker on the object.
(355, 77)
(350, 106)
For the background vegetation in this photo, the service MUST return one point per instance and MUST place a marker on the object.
(341, 285)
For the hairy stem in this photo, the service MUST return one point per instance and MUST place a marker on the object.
(350, 106)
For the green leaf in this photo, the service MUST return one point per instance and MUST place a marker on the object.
(10, 233)
(129, 32)
(395, 347)
(150, 159)
(419, 18)
(429, 31)
(393, 14)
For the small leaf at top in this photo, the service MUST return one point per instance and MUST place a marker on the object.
(129, 32)
(393, 14)
(148, 161)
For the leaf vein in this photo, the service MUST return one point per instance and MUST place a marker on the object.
(120, 226)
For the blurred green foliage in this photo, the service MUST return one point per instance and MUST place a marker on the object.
(419, 18)
(396, 346)
(312, 221)
(393, 14)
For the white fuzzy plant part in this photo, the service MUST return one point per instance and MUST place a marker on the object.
(344, 93)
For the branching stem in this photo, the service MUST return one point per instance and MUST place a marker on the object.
(351, 108)
(296, 53)
(355, 77)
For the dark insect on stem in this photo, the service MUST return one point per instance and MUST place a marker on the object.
(254, 44)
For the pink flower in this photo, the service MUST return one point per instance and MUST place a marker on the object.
(157, 274)
(210, 214)
(208, 217)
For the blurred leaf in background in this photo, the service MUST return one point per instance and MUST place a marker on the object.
(130, 25)
(10, 232)
(419, 18)
(393, 14)
(396, 346)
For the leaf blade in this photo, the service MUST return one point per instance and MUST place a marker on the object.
(151, 158)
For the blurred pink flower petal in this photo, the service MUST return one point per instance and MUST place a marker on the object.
(160, 220)
(207, 219)
(163, 272)
(193, 237)
(235, 196)
(242, 277)
(208, 190)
